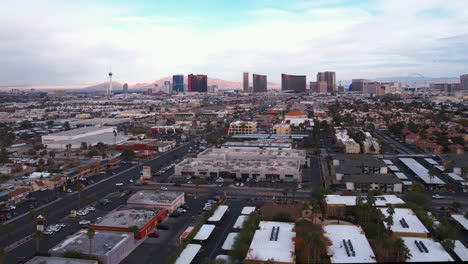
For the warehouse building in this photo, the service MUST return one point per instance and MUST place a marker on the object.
(90, 135)
(244, 163)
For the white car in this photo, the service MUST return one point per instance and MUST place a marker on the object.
(237, 184)
(90, 208)
(119, 184)
(131, 181)
(84, 222)
(12, 207)
(241, 184)
(69, 190)
(43, 189)
(164, 188)
(47, 232)
(436, 196)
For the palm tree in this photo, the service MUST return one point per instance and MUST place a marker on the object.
(293, 191)
(80, 189)
(389, 218)
(314, 239)
(285, 192)
(431, 176)
(7, 229)
(32, 215)
(197, 182)
(3, 255)
(37, 236)
(90, 235)
(402, 250)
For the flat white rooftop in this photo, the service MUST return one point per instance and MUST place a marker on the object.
(388, 162)
(455, 177)
(218, 214)
(421, 171)
(248, 210)
(461, 219)
(460, 250)
(229, 242)
(223, 257)
(401, 175)
(187, 255)
(240, 221)
(431, 161)
(407, 182)
(274, 241)
(338, 234)
(383, 200)
(204, 232)
(435, 250)
(393, 168)
(402, 217)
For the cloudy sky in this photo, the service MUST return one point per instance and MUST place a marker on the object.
(56, 42)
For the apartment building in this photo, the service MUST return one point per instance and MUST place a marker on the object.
(349, 144)
(242, 127)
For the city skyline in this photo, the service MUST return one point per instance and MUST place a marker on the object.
(73, 44)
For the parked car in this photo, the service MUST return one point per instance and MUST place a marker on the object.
(164, 188)
(436, 196)
(69, 191)
(119, 184)
(84, 222)
(153, 234)
(43, 189)
(105, 201)
(163, 227)
(11, 207)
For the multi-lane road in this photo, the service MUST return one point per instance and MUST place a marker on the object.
(60, 208)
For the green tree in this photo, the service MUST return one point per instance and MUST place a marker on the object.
(416, 198)
(26, 124)
(90, 233)
(403, 253)
(134, 229)
(417, 187)
(92, 153)
(316, 243)
(456, 206)
(66, 126)
(84, 146)
(7, 228)
(3, 255)
(4, 156)
(50, 124)
(37, 236)
(127, 154)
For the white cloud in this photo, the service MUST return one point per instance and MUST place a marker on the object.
(52, 44)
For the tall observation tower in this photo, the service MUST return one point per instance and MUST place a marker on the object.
(109, 91)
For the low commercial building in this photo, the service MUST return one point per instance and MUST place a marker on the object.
(340, 205)
(146, 144)
(348, 244)
(243, 163)
(59, 260)
(405, 223)
(157, 199)
(124, 217)
(272, 243)
(242, 128)
(108, 247)
(90, 135)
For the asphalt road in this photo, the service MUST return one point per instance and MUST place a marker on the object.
(60, 208)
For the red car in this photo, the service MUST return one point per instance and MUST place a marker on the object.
(154, 234)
